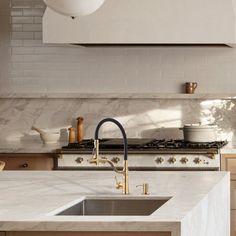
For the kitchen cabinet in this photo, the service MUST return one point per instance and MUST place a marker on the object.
(228, 163)
(233, 222)
(2, 234)
(233, 194)
(87, 234)
(28, 161)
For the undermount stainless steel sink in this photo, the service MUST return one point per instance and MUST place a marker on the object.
(114, 207)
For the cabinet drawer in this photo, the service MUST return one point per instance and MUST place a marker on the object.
(228, 163)
(233, 195)
(28, 162)
(233, 223)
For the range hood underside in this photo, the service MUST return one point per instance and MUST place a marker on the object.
(154, 45)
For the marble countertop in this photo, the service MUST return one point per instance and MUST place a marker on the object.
(28, 198)
(36, 146)
(39, 147)
(230, 148)
(33, 146)
(227, 96)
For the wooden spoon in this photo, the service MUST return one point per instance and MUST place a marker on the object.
(2, 165)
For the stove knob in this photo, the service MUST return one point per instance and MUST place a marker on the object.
(25, 165)
(79, 160)
(184, 160)
(206, 162)
(197, 160)
(159, 160)
(172, 160)
(115, 160)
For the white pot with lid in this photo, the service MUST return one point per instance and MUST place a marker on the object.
(199, 133)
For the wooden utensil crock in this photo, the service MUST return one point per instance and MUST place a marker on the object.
(80, 129)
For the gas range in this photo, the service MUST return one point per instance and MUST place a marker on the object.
(144, 154)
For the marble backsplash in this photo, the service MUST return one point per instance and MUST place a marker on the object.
(156, 118)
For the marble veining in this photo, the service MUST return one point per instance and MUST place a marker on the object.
(27, 198)
(142, 118)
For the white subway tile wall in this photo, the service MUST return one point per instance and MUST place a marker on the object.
(27, 65)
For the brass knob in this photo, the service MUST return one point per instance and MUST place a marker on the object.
(145, 187)
(25, 165)
(79, 160)
(159, 160)
(172, 160)
(115, 160)
(119, 185)
(197, 160)
(184, 160)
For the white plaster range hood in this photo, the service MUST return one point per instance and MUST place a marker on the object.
(146, 22)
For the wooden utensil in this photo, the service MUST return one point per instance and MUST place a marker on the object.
(72, 135)
(80, 129)
(2, 165)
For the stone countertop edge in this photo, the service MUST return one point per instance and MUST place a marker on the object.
(7, 147)
(28, 198)
(30, 147)
(230, 148)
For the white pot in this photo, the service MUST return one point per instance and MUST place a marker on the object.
(50, 137)
(199, 133)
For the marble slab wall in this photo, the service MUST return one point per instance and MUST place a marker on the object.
(141, 117)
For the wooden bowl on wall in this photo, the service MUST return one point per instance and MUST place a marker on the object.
(2, 165)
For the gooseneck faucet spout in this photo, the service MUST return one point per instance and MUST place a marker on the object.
(96, 159)
(121, 129)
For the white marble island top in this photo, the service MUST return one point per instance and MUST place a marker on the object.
(27, 198)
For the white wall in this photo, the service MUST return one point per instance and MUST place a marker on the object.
(28, 66)
(35, 67)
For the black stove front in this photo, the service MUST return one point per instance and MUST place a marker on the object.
(143, 145)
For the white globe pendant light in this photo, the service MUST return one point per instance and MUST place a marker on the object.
(74, 8)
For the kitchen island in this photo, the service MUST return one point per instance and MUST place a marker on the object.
(198, 205)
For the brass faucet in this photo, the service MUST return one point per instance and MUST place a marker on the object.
(124, 184)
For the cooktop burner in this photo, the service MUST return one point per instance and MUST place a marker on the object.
(145, 144)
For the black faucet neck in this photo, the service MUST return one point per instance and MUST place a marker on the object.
(121, 129)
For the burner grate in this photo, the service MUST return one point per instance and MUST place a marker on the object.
(145, 144)
(181, 144)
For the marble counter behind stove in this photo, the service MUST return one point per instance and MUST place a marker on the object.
(33, 147)
(142, 118)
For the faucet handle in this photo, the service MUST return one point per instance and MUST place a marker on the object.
(103, 160)
(93, 160)
(145, 187)
(119, 185)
